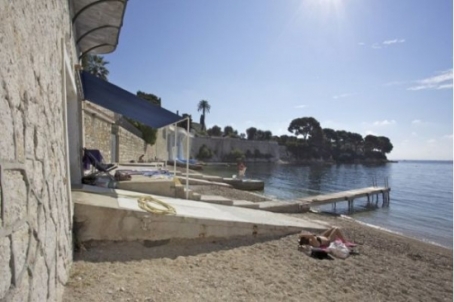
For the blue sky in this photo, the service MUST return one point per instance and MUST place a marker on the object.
(379, 66)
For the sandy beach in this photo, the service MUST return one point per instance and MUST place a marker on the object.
(389, 267)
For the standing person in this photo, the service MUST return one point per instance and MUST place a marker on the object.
(241, 169)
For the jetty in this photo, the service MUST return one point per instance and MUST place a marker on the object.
(372, 194)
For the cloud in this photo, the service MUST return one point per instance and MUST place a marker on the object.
(395, 41)
(394, 83)
(445, 86)
(376, 46)
(414, 134)
(384, 123)
(387, 43)
(300, 106)
(367, 132)
(441, 81)
(432, 141)
(341, 96)
(448, 136)
(361, 43)
(415, 122)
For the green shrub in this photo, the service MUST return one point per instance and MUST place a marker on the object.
(204, 153)
(234, 155)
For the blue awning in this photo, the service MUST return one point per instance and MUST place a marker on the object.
(118, 100)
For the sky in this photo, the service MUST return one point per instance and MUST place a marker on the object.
(381, 67)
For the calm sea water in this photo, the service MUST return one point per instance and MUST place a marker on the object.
(421, 203)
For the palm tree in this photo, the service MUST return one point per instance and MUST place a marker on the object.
(203, 106)
(96, 66)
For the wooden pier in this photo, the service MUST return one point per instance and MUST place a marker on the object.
(370, 192)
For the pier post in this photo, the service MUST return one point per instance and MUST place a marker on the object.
(350, 205)
(376, 200)
(368, 200)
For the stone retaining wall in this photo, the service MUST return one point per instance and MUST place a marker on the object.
(36, 212)
(98, 131)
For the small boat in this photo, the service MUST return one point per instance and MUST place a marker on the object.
(182, 164)
(245, 184)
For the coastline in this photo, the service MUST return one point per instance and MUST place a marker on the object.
(389, 267)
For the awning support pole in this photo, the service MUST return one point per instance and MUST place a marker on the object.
(187, 158)
(174, 151)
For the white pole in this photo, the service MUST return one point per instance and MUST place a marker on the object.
(174, 151)
(187, 159)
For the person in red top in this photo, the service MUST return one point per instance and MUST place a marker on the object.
(241, 169)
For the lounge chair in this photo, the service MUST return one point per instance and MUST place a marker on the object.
(93, 158)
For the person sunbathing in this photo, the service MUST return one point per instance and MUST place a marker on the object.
(322, 240)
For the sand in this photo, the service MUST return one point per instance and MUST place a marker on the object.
(388, 268)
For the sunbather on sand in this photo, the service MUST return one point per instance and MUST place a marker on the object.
(324, 239)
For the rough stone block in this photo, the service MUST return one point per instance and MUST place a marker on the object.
(20, 240)
(29, 142)
(7, 146)
(5, 271)
(19, 135)
(21, 291)
(52, 284)
(38, 178)
(15, 196)
(40, 138)
(40, 281)
(50, 242)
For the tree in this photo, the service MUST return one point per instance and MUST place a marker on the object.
(251, 133)
(214, 131)
(228, 131)
(184, 124)
(305, 126)
(356, 140)
(330, 135)
(203, 106)
(371, 143)
(384, 144)
(341, 139)
(267, 135)
(148, 133)
(150, 97)
(95, 65)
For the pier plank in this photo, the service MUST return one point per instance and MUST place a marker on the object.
(343, 196)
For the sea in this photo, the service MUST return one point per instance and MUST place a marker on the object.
(421, 197)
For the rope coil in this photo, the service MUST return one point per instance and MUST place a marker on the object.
(145, 204)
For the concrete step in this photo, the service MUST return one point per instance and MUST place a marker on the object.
(278, 206)
(246, 204)
(216, 199)
(180, 192)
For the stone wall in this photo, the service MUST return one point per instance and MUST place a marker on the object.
(36, 212)
(131, 147)
(98, 131)
(221, 146)
(99, 128)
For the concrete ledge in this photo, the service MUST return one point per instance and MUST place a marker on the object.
(145, 184)
(283, 207)
(216, 199)
(246, 204)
